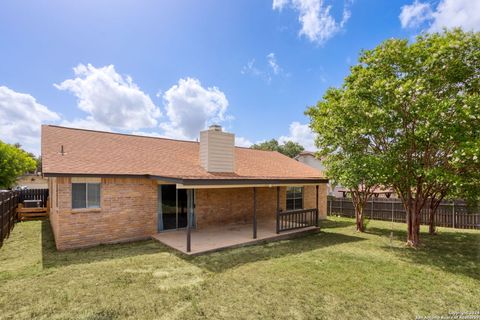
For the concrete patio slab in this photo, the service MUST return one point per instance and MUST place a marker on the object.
(217, 238)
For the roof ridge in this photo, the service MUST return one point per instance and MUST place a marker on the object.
(141, 136)
(119, 133)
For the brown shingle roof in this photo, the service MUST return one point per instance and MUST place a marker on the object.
(88, 152)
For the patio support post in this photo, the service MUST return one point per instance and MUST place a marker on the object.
(254, 213)
(316, 202)
(278, 210)
(189, 211)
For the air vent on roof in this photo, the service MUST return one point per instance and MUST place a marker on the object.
(215, 127)
(62, 151)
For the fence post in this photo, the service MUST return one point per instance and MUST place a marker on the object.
(10, 206)
(453, 213)
(331, 200)
(371, 210)
(341, 206)
(393, 206)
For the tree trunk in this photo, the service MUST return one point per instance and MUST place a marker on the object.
(434, 203)
(359, 199)
(407, 204)
(413, 237)
(359, 218)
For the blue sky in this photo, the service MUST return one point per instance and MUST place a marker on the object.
(169, 68)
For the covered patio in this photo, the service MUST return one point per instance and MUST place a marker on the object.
(254, 229)
(215, 238)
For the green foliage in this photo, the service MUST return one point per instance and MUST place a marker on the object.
(38, 161)
(414, 108)
(13, 163)
(289, 148)
(345, 151)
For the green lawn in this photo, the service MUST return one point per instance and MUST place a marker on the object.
(335, 274)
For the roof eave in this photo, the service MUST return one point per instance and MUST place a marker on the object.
(198, 181)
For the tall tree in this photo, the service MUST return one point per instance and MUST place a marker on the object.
(289, 148)
(418, 104)
(13, 163)
(347, 155)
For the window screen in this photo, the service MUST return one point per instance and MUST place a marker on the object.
(294, 198)
(85, 195)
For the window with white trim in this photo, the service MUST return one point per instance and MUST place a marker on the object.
(294, 198)
(85, 195)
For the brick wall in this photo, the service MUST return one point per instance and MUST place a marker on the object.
(128, 212)
(309, 198)
(235, 205)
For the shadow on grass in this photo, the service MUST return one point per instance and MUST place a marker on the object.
(52, 258)
(224, 260)
(216, 262)
(329, 224)
(452, 251)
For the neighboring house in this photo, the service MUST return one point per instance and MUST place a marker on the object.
(309, 158)
(32, 181)
(380, 192)
(108, 187)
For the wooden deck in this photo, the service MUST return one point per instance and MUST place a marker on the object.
(217, 238)
(27, 214)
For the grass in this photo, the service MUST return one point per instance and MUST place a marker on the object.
(336, 273)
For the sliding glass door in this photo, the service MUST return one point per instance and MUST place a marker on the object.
(172, 208)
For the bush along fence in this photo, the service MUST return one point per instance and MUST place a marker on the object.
(9, 201)
(451, 214)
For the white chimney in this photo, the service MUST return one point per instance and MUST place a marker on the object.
(217, 150)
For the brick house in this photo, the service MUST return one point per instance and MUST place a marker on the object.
(108, 187)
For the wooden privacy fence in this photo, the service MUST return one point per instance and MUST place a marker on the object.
(9, 201)
(449, 214)
(8, 213)
(34, 194)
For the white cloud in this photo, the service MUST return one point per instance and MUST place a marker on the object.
(21, 117)
(318, 24)
(457, 13)
(242, 142)
(267, 71)
(279, 4)
(415, 14)
(111, 99)
(448, 14)
(190, 108)
(302, 134)
(251, 69)
(272, 62)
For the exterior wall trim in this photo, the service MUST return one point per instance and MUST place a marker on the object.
(189, 183)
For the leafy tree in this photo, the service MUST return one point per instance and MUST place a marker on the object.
(270, 145)
(39, 164)
(347, 155)
(13, 163)
(417, 106)
(289, 148)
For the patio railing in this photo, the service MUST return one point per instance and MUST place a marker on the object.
(296, 219)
